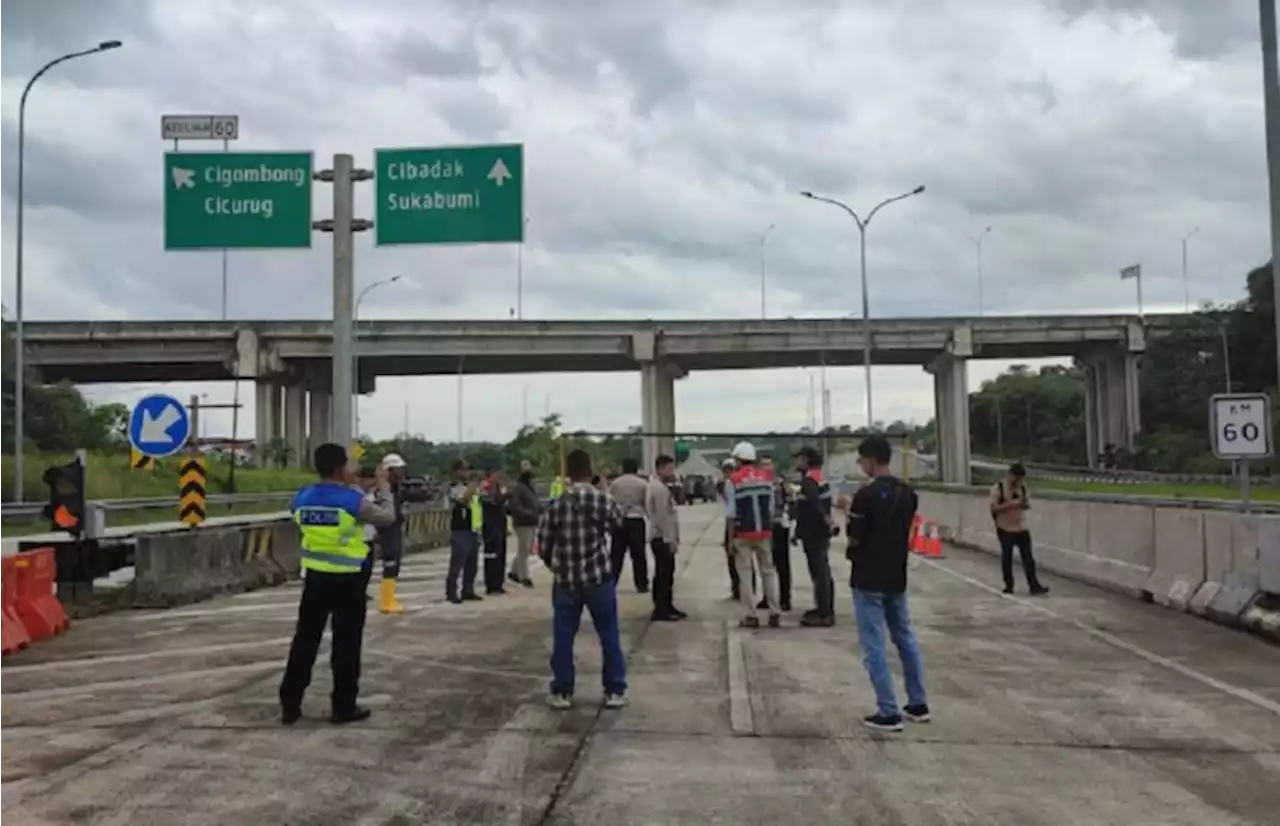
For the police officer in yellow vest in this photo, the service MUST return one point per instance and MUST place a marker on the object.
(330, 515)
(557, 487)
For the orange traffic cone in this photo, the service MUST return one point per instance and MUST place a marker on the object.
(932, 541)
(917, 534)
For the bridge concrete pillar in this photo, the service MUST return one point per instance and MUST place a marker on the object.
(1113, 413)
(951, 407)
(657, 398)
(951, 417)
(295, 423)
(268, 418)
(319, 410)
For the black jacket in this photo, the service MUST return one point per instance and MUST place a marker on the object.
(524, 506)
(879, 535)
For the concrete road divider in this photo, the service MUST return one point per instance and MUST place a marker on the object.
(286, 545)
(187, 566)
(1196, 559)
(261, 569)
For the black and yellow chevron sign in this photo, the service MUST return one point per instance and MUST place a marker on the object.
(193, 492)
(139, 461)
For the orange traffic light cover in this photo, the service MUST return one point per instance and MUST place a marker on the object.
(64, 518)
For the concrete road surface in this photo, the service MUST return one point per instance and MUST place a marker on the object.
(1082, 708)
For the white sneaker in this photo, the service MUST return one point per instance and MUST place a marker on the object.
(560, 702)
(615, 701)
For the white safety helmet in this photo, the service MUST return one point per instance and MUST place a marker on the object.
(744, 452)
(392, 460)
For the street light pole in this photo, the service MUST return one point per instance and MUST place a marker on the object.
(1271, 108)
(1186, 281)
(20, 360)
(977, 242)
(764, 236)
(862, 252)
(355, 350)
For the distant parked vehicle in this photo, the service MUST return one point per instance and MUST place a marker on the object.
(415, 489)
(699, 489)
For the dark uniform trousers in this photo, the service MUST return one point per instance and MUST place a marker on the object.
(664, 575)
(781, 549)
(495, 557)
(817, 548)
(630, 539)
(341, 596)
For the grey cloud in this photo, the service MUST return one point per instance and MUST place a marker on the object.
(64, 179)
(700, 157)
(1202, 29)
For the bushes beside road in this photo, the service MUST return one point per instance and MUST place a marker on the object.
(109, 476)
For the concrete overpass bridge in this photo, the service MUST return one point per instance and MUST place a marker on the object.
(290, 360)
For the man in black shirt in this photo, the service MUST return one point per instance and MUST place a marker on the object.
(813, 529)
(879, 529)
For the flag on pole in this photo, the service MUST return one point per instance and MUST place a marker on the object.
(1131, 271)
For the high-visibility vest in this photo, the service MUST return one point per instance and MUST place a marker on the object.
(477, 515)
(332, 536)
(557, 488)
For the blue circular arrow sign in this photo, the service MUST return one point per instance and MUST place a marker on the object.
(159, 426)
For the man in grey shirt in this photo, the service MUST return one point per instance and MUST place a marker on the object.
(664, 525)
(631, 493)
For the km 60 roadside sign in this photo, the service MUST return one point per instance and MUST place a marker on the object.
(1241, 425)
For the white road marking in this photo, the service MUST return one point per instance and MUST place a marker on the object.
(139, 682)
(741, 718)
(112, 659)
(1124, 645)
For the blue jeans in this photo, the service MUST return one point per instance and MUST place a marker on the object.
(873, 612)
(602, 602)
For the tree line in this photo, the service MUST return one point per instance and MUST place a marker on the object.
(1039, 415)
(59, 418)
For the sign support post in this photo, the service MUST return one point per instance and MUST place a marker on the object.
(204, 127)
(343, 226)
(1240, 430)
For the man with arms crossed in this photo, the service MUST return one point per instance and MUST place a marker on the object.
(879, 529)
(572, 544)
(664, 525)
(1009, 506)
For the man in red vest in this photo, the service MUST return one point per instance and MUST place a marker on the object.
(749, 494)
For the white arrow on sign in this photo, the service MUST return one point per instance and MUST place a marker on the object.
(155, 430)
(499, 173)
(184, 178)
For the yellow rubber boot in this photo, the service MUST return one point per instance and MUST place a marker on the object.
(387, 602)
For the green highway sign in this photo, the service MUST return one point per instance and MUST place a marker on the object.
(237, 200)
(450, 195)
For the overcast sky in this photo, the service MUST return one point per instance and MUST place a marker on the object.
(662, 138)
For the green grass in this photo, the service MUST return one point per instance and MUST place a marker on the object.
(110, 477)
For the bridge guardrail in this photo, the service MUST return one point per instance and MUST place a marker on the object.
(23, 510)
(1232, 505)
(1069, 473)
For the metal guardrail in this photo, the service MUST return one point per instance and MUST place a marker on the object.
(27, 510)
(1069, 473)
(1232, 505)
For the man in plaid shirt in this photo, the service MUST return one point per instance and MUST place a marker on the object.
(572, 541)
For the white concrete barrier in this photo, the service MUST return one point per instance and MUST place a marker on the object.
(1209, 562)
